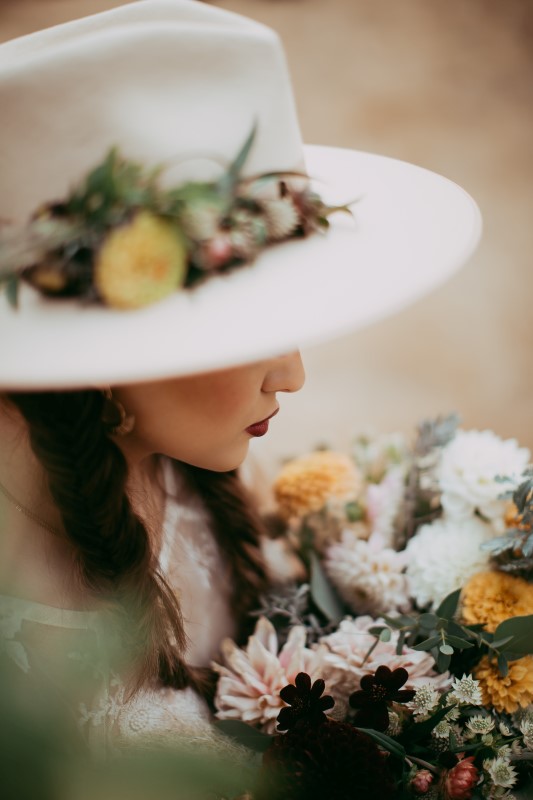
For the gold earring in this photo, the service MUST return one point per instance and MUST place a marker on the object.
(114, 416)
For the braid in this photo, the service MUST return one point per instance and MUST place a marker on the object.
(238, 528)
(87, 475)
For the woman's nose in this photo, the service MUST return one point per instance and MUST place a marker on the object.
(286, 374)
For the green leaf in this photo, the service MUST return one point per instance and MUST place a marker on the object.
(499, 643)
(443, 661)
(322, 592)
(401, 621)
(245, 734)
(503, 665)
(427, 621)
(446, 649)
(460, 644)
(427, 644)
(448, 607)
(385, 635)
(521, 629)
(227, 182)
(394, 747)
(12, 291)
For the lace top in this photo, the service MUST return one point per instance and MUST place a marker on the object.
(56, 644)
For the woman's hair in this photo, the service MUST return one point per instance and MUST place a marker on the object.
(87, 474)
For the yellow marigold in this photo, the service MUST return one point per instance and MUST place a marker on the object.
(510, 693)
(306, 484)
(140, 263)
(490, 597)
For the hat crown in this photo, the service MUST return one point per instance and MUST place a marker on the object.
(171, 82)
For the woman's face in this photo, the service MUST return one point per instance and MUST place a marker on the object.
(206, 420)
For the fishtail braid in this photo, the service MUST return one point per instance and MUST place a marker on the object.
(87, 475)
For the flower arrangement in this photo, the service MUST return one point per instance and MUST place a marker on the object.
(122, 240)
(416, 618)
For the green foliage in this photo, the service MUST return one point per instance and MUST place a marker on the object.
(322, 592)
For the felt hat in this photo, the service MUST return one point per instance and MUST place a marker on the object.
(180, 84)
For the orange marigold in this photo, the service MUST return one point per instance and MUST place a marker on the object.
(306, 484)
(510, 693)
(490, 597)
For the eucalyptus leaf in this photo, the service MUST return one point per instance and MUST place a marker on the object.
(446, 649)
(12, 291)
(503, 665)
(427, 644)
(456, 641)
(322, 592)
(427, 621)
(443, 661)
(521, 629)
(385, 635)
(448, 607)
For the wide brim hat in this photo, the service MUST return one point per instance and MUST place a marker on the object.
(181, 84)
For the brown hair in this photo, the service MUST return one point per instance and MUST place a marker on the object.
(87, 474)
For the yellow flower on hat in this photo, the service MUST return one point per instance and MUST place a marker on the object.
(510, 693)
(306, 484)
(489, 598)
(140, 263)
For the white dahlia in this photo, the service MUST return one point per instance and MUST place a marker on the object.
(249, 686)
(444, 555)
(368, 576)
(345, 651)
(383, 501)
(468, 469)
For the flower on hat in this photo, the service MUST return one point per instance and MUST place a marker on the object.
(468, 474)
(140, 262)
(508, 693)
(489, 598)
(377, 692)
(306, 484)
(369, 577)
(252, 678)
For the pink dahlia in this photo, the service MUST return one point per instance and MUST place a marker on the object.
(249, 685)
(344, 652)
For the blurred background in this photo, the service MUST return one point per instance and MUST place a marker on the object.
(447, 85)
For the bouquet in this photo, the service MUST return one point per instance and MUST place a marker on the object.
(400, 663)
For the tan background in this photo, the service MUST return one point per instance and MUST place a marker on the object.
(446, 84)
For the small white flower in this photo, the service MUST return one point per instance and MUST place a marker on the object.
(465, 691)
(501, 772)
(526, 729)
(425, 700)
(369, 577)
(467, 473)
(479, 724)
(442, 730)
(442, 556)
(505, 729)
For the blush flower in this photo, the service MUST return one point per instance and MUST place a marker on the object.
(249, 686)
(307, 484)
(468, 472)
(459, 782)
(368, 576)
(344, 654)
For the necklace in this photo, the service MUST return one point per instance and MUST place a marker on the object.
(27, 512)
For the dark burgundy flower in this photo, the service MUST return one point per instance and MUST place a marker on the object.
(377, 692)
(305, 701)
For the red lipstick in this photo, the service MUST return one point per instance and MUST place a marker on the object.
(260, 428)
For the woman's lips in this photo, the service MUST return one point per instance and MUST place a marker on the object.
(260, 428)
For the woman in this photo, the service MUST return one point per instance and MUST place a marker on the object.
(128, 405)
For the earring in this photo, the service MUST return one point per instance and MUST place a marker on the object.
(114, 416)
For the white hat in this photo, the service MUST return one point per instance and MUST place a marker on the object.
(180, 83)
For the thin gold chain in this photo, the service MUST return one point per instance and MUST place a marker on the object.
(27, 512)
